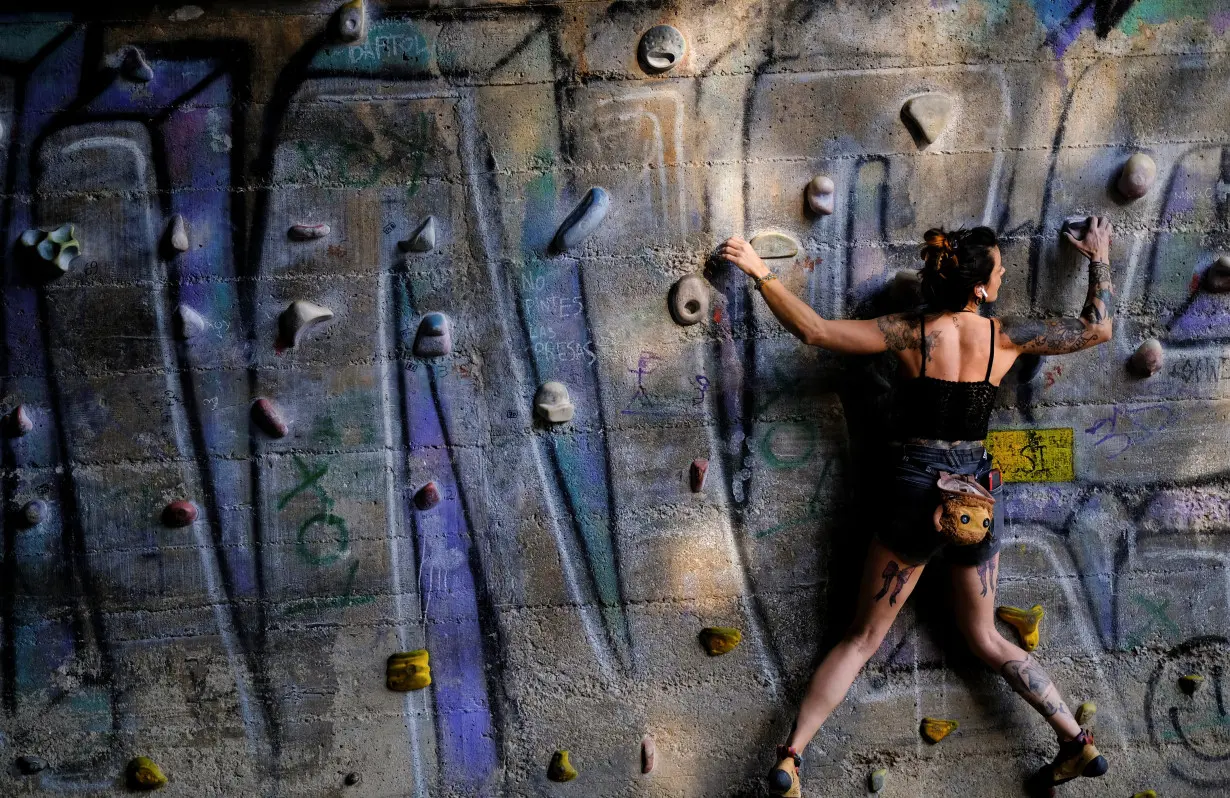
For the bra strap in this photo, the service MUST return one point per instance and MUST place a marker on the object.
(991, 359)
(922, 343)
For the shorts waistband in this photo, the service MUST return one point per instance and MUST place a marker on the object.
(964, 454)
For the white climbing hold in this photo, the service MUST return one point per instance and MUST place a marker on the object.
(583, 220)
(775, 245)
(820, 193)
(1137, 176)
(928, 114)
(298, 317)
(1147, 360)
(186, 13)
(135, 67)
(188, 323)
(352, 22)
(423, 239)
(661, 49)
(178, 233)
(552, 402)
(307, 232)
(689, 300)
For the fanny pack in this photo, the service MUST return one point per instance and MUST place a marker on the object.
(967, 509)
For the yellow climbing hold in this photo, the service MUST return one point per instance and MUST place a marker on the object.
(1145, 794)
(1024, 621)
(1190, 683)
(408, 670)
(1085, 713)
(560, 768)
(144, 774)
(934, 729)
(719, 640)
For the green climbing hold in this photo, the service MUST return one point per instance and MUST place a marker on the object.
(719, 640)
(144, 774)
(560, 768)
(875, 779)
(1085, 713)
(1190, 683)
(1146, 794)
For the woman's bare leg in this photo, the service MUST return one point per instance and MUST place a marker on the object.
(974, 603)
(887, 583)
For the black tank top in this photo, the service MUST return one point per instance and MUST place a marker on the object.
(944, 410)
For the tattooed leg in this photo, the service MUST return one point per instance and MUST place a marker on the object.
(1027, 678)
(986, 575)
(892, 572)
(903, 576)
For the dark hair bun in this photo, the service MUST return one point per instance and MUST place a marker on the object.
(954, 263)
(939, 252)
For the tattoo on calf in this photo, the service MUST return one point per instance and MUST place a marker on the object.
(892, 572)
(901, 333)
(1028, 679)
(986, 575)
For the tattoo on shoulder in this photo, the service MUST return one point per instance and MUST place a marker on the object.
(901, 333)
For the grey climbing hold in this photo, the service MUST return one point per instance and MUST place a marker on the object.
(649, 753)
(307, 232)
(266, 415)
(820, 194)
(18, 422)
(661, 49)
(52, 249)
(552, 402)
(29, 765)
(875, 779)
(32, 513)
(352, 22)
(427, 496)
(1076, 225)
(352, 779)
(177, 234)
(1137, 176)
(188, 323)
(434, 337)
(775, 245)
(1147, 360)
(298, 317)
(1217, 276)
(689, 300)
(423, 239)
(135, 67)
(927, 114)
(697, 473)
(583, 220)
(186, 13)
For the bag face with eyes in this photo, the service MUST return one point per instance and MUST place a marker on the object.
(966, 509)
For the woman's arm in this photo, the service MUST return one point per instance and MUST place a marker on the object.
(850, 337)
(1061, 336)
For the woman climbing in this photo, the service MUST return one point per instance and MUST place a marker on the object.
(951, 361)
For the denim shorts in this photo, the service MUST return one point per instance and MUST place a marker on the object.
(910, 531)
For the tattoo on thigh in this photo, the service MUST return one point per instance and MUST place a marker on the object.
(894, 572)
(1028, 679)
(986, 574)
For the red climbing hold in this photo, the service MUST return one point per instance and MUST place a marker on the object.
(427, 496)
(179, 513)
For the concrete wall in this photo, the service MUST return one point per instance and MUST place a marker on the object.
(561, 581)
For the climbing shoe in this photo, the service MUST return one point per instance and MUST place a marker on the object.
(1077, 757)
(784, 777)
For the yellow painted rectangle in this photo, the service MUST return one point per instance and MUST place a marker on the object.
(1033, 455)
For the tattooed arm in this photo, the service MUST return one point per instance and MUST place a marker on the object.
(1061, 336)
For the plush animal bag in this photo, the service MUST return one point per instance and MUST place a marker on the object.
(966, 510)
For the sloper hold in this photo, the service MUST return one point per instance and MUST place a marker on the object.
(17, 422)
(1190, 683)
(719, 640)
(875, 779)
(29, 765)
(1024, 621)
(427, 496)
(352, 22)
(649, 753)
(144, 774)
(33, 512)
(661, 49)
(935, 729)
(188, 323)
(697, 473)
(179, 513)
(775, 245)
(927, 114)
(560, 768)
(177, 233)
(821, 192)
(434, 337)
(306, 231)
(1147, 359)
(1085, 714)
(408, 670)
(583, 220)
(268, 418)
(135, 67)
(423, 239)
(298, 317)
(689, 300)
(352, 779)
(1137, 176)
(552, 403)
(1217, 277)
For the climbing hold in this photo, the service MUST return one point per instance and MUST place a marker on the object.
(299, 316)
(1024, 621)
(875, 779)
(1217, 276)
(1085, 713)
(649, 752)
(423, 239)
(144, 774)
(434, 337)
(427, 496)
(775, 245)
(689, 300)
(177, 234)
(55, 248)
(552, 402)
(408, 670)
(583, 220)
(188, 323)
(934, 729)
(186, 13)
(1147, 359)
(135, 67)
(560, 768)
(1137, 176)
(179, 513)
(719, 640)
(697, 474)
(1145, 794)
(352, 779)
(927, 114)
(661, 49)
(307, 232)
(1076, 225)
(352, 22)
(268, 418)
(32, 513)
(1190, 683)
(820, 194)
(29, 765)
(17, 422)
